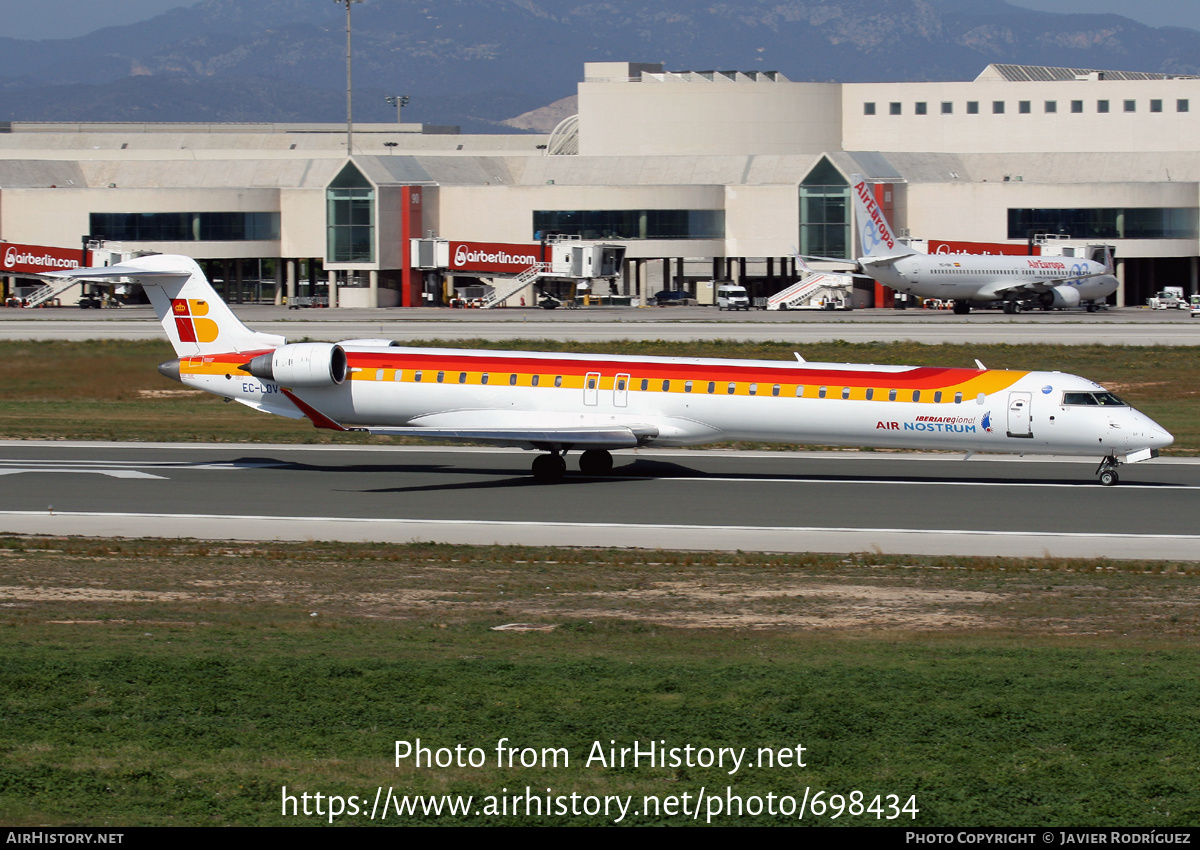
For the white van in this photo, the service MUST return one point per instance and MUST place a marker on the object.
(732, 297)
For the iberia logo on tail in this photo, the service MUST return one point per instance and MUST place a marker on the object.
(189, 322)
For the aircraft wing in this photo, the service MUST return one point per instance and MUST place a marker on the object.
(1002, 288)
(609, 437)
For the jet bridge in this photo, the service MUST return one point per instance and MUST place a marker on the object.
(514, 268)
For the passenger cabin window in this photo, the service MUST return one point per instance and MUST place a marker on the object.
(645, 384)
(558, 382)
(870, 393)
(484, 378)
(399, 375)
(687, 386)
(712, 386)
(821, 392)
(800, 392)
(937, 397)
(845, 392)
(958, 398)
(666, 386)
(417, 377)
(512, 380)
(441, 377)
(533, 382)
(916, 395)
(775, 390)
(462, 377)
(732, 388)
(891, 395)
(754, 389)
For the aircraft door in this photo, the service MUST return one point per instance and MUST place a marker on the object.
(591, 388)
(621, 390)
(1020, 419)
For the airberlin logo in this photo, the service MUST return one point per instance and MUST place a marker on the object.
(876, 230)
(464, 255)
(14, 258)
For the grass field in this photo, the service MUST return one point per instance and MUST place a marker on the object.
(110, 390)
(144, 682)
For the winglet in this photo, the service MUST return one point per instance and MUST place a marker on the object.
(318, 419)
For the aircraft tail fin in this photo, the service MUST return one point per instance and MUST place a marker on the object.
(875, 232)
(194, 317)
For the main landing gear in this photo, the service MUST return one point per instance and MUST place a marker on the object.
(1108, 471)
(550, 468)
(1012, 307)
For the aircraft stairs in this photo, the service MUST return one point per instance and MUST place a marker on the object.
(808, 289)
(50, 291)
(512, 286)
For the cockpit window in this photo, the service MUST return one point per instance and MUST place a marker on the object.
(1104, 398)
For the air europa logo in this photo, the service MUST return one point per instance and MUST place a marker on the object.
(877, 228)
(464, 255)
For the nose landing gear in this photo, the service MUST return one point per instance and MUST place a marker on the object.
(1107, 471)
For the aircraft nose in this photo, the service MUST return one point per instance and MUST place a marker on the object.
(1151, 433)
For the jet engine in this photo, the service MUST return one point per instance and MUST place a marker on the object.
(1060, 296)
(302, 364)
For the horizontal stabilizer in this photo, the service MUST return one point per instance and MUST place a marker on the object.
(114, 272)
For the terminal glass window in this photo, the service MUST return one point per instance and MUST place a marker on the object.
(972, 107)
(350, 218)
(1102, 106)
(1052, 106)
(1181, 105)
(922, 108)
(1106, 223)
(184, 226)
(868, 108)
(1077, 106)
(1131, 106)
(947, 108)
(1024, 107)
(997, 107)
(893, 109)
(1156, 106)
(631, 224)
(824, 212)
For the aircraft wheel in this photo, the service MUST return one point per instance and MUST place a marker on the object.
(962, 308)
(1109, 477)
(596, 462)
(549, 469)
(1016, 306)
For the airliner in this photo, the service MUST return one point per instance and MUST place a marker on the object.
(974, 279)
(595, 404)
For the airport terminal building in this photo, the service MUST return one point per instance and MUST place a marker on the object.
(699, 175)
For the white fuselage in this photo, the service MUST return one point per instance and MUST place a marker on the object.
(989, 277)
(690, 401)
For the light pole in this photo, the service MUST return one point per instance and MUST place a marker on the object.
(349, 98)
(399, 101)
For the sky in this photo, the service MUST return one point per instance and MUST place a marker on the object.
(70, 18)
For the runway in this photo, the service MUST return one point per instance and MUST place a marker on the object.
(1118, 326)
(698, 500)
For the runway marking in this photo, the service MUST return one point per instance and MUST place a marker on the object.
(475, 523)
(833, 479)
(111, 473)
(120, 469)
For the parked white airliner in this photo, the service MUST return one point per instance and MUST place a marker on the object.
(977, 279)
(593, 403)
